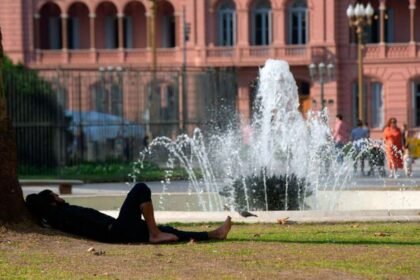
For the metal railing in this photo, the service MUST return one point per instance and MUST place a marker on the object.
(65, 117)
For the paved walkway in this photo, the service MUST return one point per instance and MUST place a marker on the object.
(361, 187)
(292, 216)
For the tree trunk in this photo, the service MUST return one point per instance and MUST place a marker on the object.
(12, 207)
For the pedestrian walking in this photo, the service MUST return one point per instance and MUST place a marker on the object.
(359, 138)
(340, 136)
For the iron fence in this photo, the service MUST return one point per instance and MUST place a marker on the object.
(64, 117)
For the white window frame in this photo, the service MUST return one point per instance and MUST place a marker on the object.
(75, 32)
(266, 34)
(54, 38)
(128, 20)
(390, 22)
(299, 8)
(110, 40)
(228, 13)
(377, 105)
(166, 22)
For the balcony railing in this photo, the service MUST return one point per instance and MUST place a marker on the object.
(227, 56)
(136, 55)
(78, 56)
(398, 51)
(389, 51)
(220, 52)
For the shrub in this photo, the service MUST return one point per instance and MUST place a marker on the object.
(276, 192)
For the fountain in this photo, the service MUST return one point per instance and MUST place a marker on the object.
(288, 162)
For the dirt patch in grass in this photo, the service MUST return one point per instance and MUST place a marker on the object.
(252, 252)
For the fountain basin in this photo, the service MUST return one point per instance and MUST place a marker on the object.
(331, 201)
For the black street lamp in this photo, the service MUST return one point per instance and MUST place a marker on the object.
(360, 16)
(321, 73)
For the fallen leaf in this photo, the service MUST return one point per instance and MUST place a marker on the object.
(257, 235)
(382, 234)
(99, 253)
(91, 249)
(159, 255)
(282, 221)
(191, 242)
(355, 226)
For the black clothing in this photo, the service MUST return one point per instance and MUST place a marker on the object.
(127, 228)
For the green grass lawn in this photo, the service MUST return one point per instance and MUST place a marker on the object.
(259, 251)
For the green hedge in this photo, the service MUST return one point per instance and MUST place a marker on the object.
(276, 192)
(100, 172)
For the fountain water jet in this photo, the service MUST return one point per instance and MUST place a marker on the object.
(286, 152)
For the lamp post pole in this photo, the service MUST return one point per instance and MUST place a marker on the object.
(185, 38)
(318, 73)
(360, 16)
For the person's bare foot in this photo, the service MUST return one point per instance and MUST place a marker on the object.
(222, 232)
(162, 237)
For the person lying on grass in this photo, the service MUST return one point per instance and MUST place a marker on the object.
(129, 227)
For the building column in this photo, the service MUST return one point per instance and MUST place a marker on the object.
(149, 22)
(93, 57)
(412, 8)
(92, 17)
(37, 39)
(64, 35)
(179, 29)
(120, 30)
(243, 27)
(382, 8)
(279, 26)
(200, 28)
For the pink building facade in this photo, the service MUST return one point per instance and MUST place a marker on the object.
(89, 34)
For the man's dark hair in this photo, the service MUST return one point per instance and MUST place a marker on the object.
(340, 117)
(39, 204)
(359, 123)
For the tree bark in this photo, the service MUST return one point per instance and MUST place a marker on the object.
(12, 207)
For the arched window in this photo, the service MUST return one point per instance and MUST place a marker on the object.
(78, 26)
(376, 105)
(50, 31)
(106, 95)
(106, 26)
(298, 23)
(165, 25)
(168, 103)
(226, 24)
(261, 23)
(135, 25)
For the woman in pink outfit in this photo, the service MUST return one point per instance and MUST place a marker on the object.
(393, 146)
